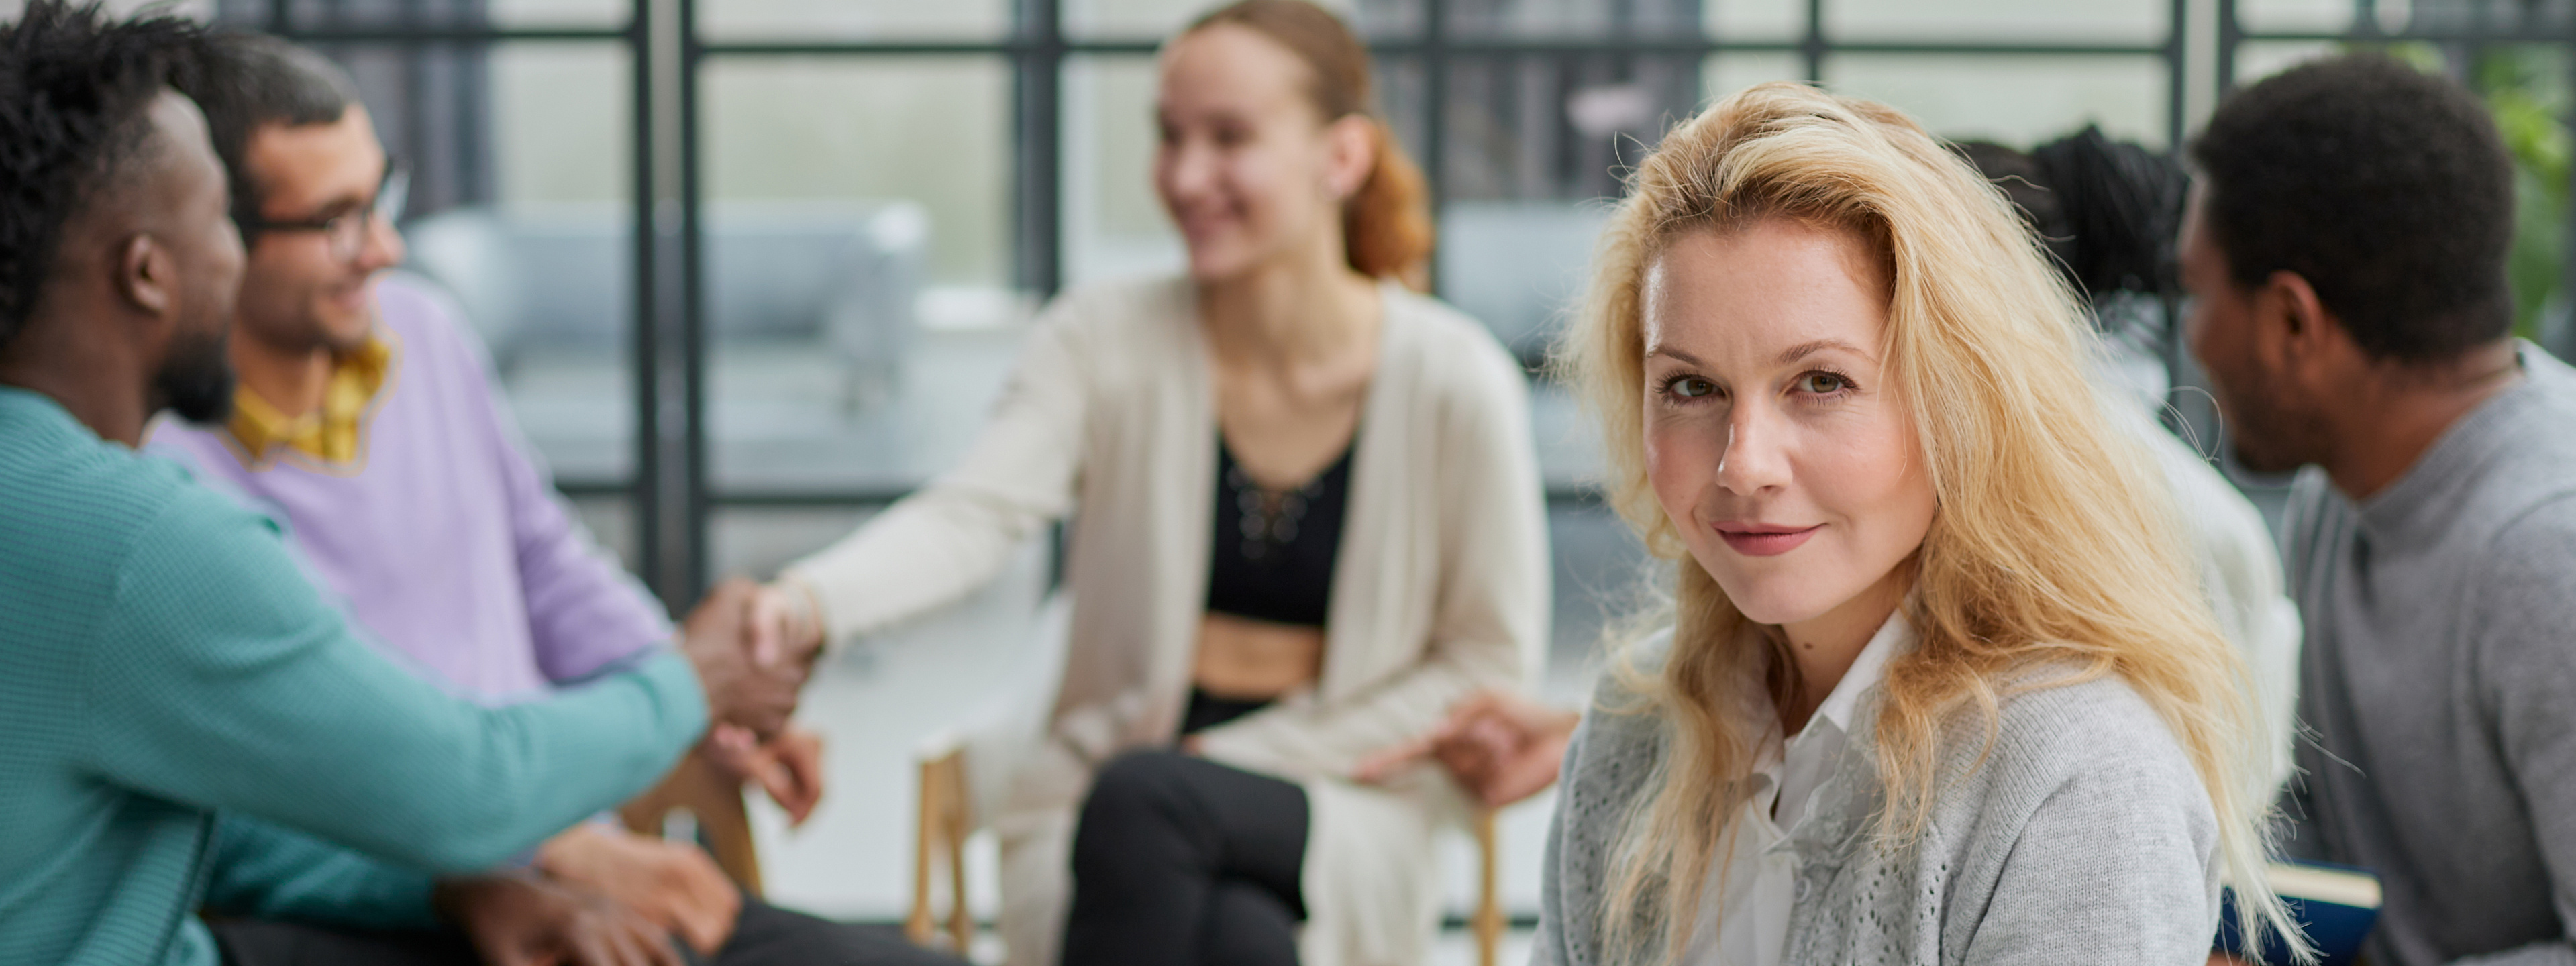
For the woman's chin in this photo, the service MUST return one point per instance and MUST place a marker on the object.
(1777, 598)
(1219, 261)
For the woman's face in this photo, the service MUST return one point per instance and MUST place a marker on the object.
(1773, 439)
(1246, 166)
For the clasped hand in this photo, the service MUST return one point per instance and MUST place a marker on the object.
(739, 642)
(1500, 746)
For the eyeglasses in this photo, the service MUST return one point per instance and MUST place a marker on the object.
(346, 232)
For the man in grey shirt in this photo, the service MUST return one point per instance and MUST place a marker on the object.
(2345, 249)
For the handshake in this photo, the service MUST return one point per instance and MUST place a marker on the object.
(753, 647)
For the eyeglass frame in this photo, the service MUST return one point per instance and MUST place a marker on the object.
(391, 192)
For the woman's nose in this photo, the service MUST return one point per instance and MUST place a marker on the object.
(1753, 460)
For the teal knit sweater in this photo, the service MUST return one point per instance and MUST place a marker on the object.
(163, 661)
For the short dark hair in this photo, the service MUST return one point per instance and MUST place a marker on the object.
(2385, 187)
(75, 89)
(252, 80)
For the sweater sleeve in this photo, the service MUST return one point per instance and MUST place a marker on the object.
(218, 678)
(266, 872)
(586, 614)
(938, 545)
(2115, 864)
(1560, 873)
(1489, 623)
(2525, 642)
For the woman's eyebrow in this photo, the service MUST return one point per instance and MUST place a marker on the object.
(1671, 353)
(1805, 349)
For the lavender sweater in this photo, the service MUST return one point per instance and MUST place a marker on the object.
(447, 541)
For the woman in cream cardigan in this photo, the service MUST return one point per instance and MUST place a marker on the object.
(1306, 517)
(1939, 685)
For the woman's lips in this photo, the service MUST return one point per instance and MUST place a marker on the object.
(1757, 540)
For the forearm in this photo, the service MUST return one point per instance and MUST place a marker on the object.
(924, 553)
(265, 872)
(1327, 739)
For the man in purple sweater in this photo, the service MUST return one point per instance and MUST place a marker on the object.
(365, 419)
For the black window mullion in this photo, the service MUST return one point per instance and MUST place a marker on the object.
(1037, 68)
(1434, 59)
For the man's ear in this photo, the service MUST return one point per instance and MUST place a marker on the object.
(147, 276)
(2293, 319)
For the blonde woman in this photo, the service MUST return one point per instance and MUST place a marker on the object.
(1306, 518)
(1939, 685)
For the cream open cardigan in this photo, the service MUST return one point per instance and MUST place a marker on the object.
(1440, 588)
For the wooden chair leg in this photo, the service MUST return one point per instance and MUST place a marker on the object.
(961, 921)
(940, 835)
(1488, 922)
(925, 836)
(715, 802)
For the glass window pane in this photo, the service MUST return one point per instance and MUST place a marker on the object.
(2256, 60)
(853, 19)
(857, 215)
(558, 13)
(1755, 19)
(543, 261)
(1727, 73)
(1156, 19)
(2019, 100)
(2295, 16)
(1559, 125)
(931, 130)
(1113, 224)
(2094, 21)
(1561, 18)
(444, 14)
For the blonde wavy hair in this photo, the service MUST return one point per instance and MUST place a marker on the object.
(2054, 556)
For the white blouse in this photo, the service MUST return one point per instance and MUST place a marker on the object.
(1749, 891)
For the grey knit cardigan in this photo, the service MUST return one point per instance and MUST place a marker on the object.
(2082, 836)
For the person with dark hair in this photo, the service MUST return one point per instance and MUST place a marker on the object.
(366, 421)
(2345, 251)
(2106, 212)
(1309, 518)
(184, 722)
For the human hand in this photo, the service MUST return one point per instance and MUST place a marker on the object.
(789, 767)
(1503, 747)
(675, 886)
(748, 677)
(786, 613)
(524, 920)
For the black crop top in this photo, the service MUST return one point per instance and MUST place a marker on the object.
(1273, 558)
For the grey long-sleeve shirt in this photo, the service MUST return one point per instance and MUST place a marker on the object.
(2439, 681)
(2082, 835)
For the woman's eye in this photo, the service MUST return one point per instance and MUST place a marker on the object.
(1822, 383)
(1691, 387)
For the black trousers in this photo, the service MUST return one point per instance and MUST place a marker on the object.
(1178, 860)
(765, 936)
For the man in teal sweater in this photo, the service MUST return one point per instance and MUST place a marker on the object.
(183, 721)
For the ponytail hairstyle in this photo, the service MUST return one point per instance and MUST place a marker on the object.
(2056, 555)
(1386, 225)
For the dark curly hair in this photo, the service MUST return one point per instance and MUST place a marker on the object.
(74, 88)
(2105, 209)
(2385, 187)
